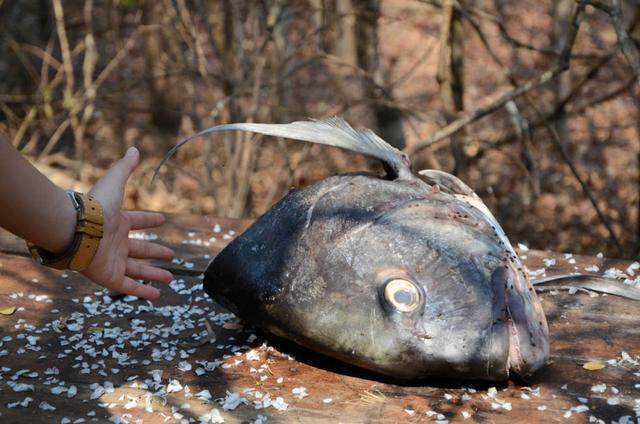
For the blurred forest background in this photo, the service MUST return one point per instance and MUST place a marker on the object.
(534, 103)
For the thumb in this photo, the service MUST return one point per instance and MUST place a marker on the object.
(121, 171)
(114, 181)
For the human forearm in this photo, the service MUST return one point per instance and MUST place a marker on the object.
(31, 206)
(35, 209)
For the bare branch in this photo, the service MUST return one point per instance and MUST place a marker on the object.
(548, 117)
(627, 45)
(555, 136)
(630, 51)
(64, 46)
(597, 4)
(483, 111)
(561, 65)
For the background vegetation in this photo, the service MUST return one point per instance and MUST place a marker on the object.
(535, 104)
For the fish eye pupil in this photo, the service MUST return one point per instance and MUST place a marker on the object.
(402, 296)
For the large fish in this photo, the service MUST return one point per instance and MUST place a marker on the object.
(408, 276)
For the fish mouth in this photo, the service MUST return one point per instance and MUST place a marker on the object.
(527, 326)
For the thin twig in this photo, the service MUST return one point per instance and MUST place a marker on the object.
(597, 4)
(53, 140)
(499, 23)
(555, 137)
(585, 188)
(26, 122)
(122, 53)
(560, 66)
(64, 47)
(70, 103)
(550, 116)
(627, 45)
(483, 111)
(631, 53)
(17, 49)
(44, 55)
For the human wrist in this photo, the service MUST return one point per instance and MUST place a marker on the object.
(65, 217)
(88, 232)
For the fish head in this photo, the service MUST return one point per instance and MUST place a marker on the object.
(386, 276)
(418, 293)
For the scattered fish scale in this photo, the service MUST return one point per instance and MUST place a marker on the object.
(95, 342)
(157, 377)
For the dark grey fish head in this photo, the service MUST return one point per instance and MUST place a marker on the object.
(391, 276)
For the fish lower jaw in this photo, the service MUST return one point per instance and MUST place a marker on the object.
(514, 359)
(527, 359)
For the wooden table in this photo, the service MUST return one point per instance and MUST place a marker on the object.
(71, 347)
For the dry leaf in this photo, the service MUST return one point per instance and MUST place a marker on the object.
(7, 310)
(593, 366)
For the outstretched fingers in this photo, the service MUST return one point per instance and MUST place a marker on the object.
(140, 271)
(140, 220)
(139, 249)
(136, 270)
(133, 288)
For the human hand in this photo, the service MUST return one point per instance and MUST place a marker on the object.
(114, 265)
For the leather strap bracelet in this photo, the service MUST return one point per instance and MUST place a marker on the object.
(85, 243)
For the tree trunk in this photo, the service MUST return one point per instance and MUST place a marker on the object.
(450, 78)
(562, 13)
(345, 42)
(388, 117)
(164, 101)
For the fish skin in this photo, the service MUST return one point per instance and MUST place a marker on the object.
(312, 269)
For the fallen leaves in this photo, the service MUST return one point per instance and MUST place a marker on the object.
(593, 366)
(7, 310)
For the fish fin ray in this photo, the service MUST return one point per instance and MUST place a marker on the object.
(333, 131)
(588, 282)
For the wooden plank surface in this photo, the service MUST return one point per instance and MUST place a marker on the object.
(137, 361)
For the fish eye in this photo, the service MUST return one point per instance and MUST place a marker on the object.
(403, 295)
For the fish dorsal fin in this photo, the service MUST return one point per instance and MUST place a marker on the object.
(447, 182)
(331, 132)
